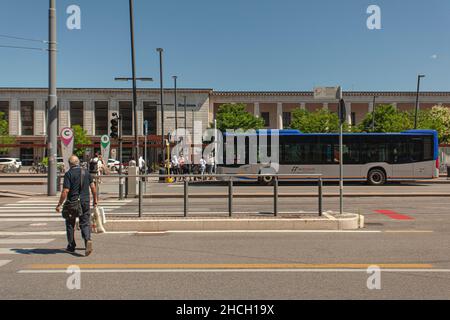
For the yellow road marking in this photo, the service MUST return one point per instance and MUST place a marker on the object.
(226, 266)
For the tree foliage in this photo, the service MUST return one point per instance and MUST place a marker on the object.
(81, 138)
(320, 121)
(387, 119)
(5, 138)
(437, 118)
(235, 116)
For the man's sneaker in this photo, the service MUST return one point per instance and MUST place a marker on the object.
(89, 248)
(70, 249)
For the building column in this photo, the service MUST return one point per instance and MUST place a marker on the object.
(64, 114)
(303, 105)
(325, 106)
(280, 116)
(394, 104)
(40, 118)
(349, 113)
(256, 111)
(140, 119)
(14, 117)
(89, 117)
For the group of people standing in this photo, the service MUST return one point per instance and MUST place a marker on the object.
(179, 166)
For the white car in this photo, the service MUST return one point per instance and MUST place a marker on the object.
(6, 163)
(113, 164)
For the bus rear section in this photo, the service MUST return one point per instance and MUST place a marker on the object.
(376, 158)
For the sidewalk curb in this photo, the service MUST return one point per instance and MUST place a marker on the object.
(348, 222)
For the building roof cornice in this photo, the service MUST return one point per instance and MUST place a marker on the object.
(345, 93)
(103, 90)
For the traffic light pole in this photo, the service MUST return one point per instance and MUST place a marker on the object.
(52, 148)
(342, 118)
(122, 181)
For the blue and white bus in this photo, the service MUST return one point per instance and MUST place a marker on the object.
(375, 158)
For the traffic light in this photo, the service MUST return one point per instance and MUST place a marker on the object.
(342, 111)
(114, 129)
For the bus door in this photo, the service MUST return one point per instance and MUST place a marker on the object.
(422, 155)
(403, 166)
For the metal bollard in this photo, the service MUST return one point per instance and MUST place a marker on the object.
(230, 197)
(58, 185)
(275, 196)
(186, 198)
(320, 197)
(141, 196)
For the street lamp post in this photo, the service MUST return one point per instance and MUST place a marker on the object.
(373, 113)
(52, 129)
(185, 120)
(420, 76)
(133, 66)
(161, 79)
(176, 103)
(120, 130)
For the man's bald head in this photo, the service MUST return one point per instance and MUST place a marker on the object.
(74, 161)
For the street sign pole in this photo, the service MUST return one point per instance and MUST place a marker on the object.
(145, 141)
(342, 118)
(52, 147)
(341, 168)
(333, 94)
(121, 180)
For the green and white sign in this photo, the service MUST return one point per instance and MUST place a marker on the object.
(105, 148)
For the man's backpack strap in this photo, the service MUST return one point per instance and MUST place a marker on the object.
(83, 174)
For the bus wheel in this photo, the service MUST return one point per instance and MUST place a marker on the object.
(267, 180)
(376, 177)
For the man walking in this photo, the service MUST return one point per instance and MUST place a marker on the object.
(74, 188)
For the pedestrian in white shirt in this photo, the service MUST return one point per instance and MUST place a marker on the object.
(202, 166)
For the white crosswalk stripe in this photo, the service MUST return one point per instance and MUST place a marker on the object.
(25, 241)
(4, 262)
(14, 251)
(43, 210)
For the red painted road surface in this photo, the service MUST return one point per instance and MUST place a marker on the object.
(394, 215)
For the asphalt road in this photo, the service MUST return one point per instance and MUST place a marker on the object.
(408, 237)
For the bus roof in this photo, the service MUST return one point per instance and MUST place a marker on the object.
(272, 132)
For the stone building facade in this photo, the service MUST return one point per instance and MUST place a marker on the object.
(26, 110)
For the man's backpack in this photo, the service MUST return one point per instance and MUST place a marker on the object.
(72, 209)
(93, 166)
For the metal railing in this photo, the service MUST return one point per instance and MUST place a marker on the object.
(229, 179)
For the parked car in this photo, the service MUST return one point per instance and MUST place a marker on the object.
(113, 165)
(10, 165)
(19, 162)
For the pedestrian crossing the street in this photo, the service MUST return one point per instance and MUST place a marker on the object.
(40, 210)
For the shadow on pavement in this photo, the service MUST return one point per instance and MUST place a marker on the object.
(44, 252)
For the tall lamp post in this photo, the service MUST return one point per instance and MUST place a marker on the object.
(373, 113)
(161, 79)
(420, 76)
(185, 119)
(52, 148)
(133, 67)
(136, 140)
(176, 102)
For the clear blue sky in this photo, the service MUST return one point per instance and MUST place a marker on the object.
(236, 44)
